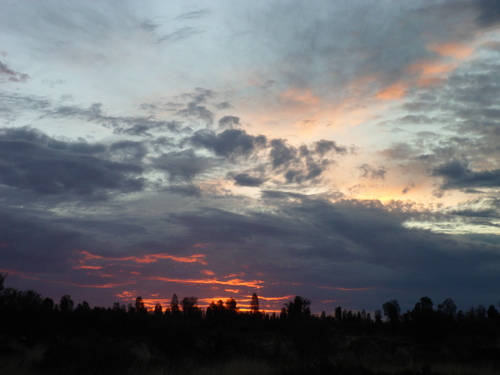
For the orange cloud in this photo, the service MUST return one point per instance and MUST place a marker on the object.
(431, 72)
(208, 272)
(201, 245)
(395, 91)
(232, 282)
(455, 50)
(88, 267)
(275, 298)
(305, 97)
(431, 68)
(148, 258)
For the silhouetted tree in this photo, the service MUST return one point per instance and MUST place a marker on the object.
(83, 307)
(480, 312)
(47, 305)
(190, 306)
(426, 304)
(492, 313)
(254, 305)
(174, 306)
(216, 310)
(231, 307)
(139, 306)
(298, 308)
(2, 280)
(117, 308)
(158, 311)
(283, 314)
(392, 311)
(66, 304)
(448, 308)
(338, 313)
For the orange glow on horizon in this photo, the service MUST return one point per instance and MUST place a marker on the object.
(233, 282)
(88, 267)
(148, 258)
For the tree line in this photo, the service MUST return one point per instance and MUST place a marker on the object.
(13, 301)
(108, 340)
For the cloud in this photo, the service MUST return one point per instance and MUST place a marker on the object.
(187, 190)
(33, 161)
(244, 179)
(299, 165)
(180, 34)
(184, 165)
(129, 125)
(367, 171)
(145, 258)
(230, 143)
(457, 175)
(194, 14)
(489, 13)
(12, 75)
(281, 154)
(27, 237)
(198, 112)
(229, 122)
(324, 146)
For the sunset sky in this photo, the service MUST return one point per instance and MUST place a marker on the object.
(344, 151)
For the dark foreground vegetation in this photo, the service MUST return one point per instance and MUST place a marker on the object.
(38, 336)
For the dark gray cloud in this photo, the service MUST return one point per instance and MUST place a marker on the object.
(299, 165)
(33, 161)
(244, 179)
(281, 154)
(184, 165)
(324, 146)
(489, 13)
(196, 107)
(29, 237)
(229, 122)
(457, 175)
(187, 190)
(231, 143)
(196, 111)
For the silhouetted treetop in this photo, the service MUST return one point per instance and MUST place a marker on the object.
(298, 308)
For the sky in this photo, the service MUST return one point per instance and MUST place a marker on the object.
(344, 151)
